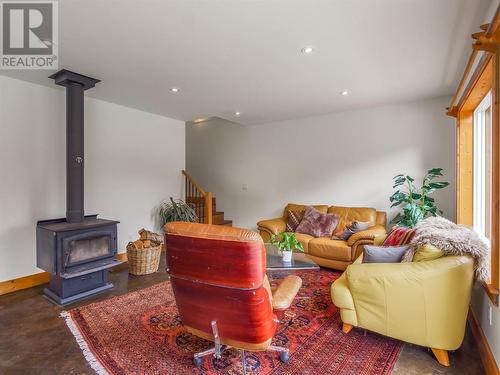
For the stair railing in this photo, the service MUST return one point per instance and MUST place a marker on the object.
(200, 200)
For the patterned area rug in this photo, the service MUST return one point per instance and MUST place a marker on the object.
(141, 333)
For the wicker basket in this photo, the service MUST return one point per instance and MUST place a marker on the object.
(143, 261)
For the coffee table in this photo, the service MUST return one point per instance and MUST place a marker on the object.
(274, 261)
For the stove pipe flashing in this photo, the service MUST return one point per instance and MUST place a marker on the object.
(75, 85)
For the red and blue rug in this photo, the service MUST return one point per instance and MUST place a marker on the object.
(141, 333)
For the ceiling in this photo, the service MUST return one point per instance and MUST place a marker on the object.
(245, 55)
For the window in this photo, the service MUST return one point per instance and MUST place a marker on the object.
(478, 161)
(482, 169)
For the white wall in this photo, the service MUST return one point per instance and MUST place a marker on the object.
(346, 158)
(133, 160)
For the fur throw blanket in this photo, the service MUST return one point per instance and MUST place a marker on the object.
(452, 239)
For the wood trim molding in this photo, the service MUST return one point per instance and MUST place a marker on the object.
(479, 85)
(492, 292)
(453, 108)
(486, 40)
(30, 281)
(489, 363)
(25, 282)
(492, 289)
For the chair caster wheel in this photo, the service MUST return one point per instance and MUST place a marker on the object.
(284, 357)
(197, 361)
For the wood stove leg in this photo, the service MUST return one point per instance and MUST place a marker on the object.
(441, 356)
(346, 328)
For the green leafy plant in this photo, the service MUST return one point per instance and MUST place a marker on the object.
(175, 210)
(416, 203)
(286, 241)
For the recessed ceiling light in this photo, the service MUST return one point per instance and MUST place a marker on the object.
(237, 113)
(344, 93)
(174, 89)
(307, 50)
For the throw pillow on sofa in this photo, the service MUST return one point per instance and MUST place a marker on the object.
(293, 220)
(384, 254)
(317, 224)
(399, 236)
(427, 252)
(354, 227)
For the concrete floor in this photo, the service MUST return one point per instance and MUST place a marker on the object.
(34, 340)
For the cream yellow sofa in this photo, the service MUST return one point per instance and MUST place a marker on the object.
(424, 303)
(336, 254)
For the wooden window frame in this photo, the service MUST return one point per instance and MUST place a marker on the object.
(482, 79)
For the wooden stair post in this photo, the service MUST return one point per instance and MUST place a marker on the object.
(208, 208)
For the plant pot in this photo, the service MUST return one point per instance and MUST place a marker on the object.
(287, 256)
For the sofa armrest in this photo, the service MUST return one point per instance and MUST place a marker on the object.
(273, 226)
(368, 234)
(425, 303)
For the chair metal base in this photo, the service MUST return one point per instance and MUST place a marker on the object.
(218, 348)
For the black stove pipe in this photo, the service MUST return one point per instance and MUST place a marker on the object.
(74, 153)
(75, 85)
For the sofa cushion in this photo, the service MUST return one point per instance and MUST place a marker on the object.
(317, 224)
(399, 236)
(304, 240)
(324, 247)
(293, 220)
(302, 207)
(427, 252)
(354, 227)
(384, 254)
(349, 214)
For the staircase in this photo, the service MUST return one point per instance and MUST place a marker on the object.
(203, 203)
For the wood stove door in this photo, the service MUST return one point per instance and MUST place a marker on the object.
(83, 249)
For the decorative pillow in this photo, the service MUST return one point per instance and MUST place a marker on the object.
(427, 252)
(293, 220)
(399, 236)
(384, 254)
(317, 224)
(354, 227)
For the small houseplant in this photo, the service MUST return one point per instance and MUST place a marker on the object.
(416, 202)
(175, 210)
(286, 243)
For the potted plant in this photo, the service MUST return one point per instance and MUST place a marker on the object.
(175, 210)
(286, 243)
(416, 202)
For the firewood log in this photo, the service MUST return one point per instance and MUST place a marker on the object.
(148, 235)
(146, 243)
(138, 244)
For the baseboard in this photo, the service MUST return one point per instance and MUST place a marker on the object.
(489, 363)
(30, 281)
(25, 282)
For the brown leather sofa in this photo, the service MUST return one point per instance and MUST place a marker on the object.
(324, 251)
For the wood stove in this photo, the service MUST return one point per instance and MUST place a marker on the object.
(77, 250)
